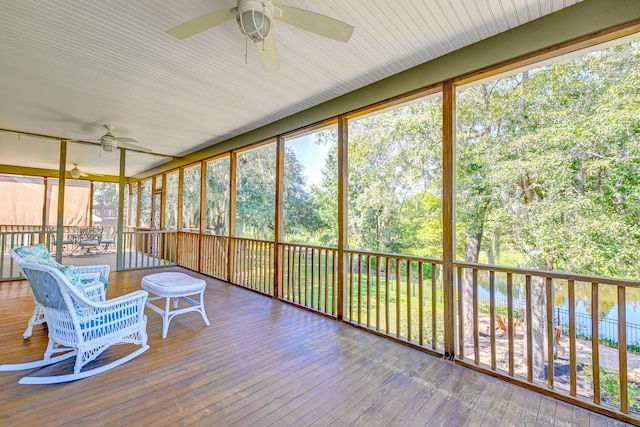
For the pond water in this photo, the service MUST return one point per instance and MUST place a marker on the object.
(607, 324)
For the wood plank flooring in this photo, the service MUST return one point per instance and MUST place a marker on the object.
(261, 362)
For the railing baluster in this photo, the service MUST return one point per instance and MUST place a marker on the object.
(622, 350)
(386, 294)
(326, 281)
(359, 289)
(551, 333)
(409, 293)
(368, 285)
(306, 276)
(510, 309)
(460, 316)
(529, 329)
(595, 344)
(421, 300)
(377, 292)
(434, 314)
(300, 283)
(351, 286)
(492, 317)
(476, 332)
(291, 276)
(397, 285)
(572, 338)
(250, 257)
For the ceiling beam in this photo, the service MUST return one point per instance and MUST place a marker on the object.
(80, 141)
(52, 173)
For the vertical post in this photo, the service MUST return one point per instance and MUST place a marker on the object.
(121, 195)
(60, 218)
(448, 216)
(138, 202)
(232, 216)
(179, 217)
(203, 212)
(163, 203)
(90, 203)
(180, 191)
(164, 238)
(45, 238)
(343, 214)
(279, 231)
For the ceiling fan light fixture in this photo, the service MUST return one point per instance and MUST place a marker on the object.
(109, 144)
(255, 18)
(75, 173)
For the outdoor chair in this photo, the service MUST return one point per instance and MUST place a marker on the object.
(81, 327)
(90, 238)
(88, 275)
(67, 243)
(106, 242)
(501, 326)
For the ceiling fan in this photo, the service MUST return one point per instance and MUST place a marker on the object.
(77, 173)
(110, 143)
(255, 21)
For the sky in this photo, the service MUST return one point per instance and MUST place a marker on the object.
(311, 155)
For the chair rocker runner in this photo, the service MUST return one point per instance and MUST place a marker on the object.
(88, 276)
(81, 327)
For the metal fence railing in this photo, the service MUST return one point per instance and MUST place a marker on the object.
(607, 328)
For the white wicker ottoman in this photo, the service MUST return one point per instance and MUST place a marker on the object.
(177, 286)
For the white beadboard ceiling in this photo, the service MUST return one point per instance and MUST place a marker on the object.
(67, 67)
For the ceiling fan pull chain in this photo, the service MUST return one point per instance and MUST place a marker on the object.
(246, 49)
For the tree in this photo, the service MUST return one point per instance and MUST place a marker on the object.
(558, 186)
(217, 192)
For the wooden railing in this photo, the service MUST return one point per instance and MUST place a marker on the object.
(213, 256)
(149, 249)
(401, 297)
(253, 265)
(528, 345)
(189, 250)
(397, 296)
(14, 239)
(310, 277)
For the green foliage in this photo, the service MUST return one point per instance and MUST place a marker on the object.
(171, 204)
(191, 197)
(395, 180)
(547, 162)
(255, 196)
(217, 203)
(610, 388)
(302, 217)
(105, 193)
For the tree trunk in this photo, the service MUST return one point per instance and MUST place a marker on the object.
(538, 323)
(472, 250)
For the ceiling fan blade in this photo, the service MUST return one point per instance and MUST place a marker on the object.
(201, 23)
(316, 23)
(130, 146)
(126, 139)
(268, 53)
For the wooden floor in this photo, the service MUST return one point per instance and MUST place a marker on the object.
(261, 362)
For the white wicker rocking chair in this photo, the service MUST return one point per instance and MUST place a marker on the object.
(80, 327)
(88, 275)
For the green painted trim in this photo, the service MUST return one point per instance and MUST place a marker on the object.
(52, 173)
(583, 19)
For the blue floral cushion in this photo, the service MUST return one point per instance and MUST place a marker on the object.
(72, 275)
(37, 254)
